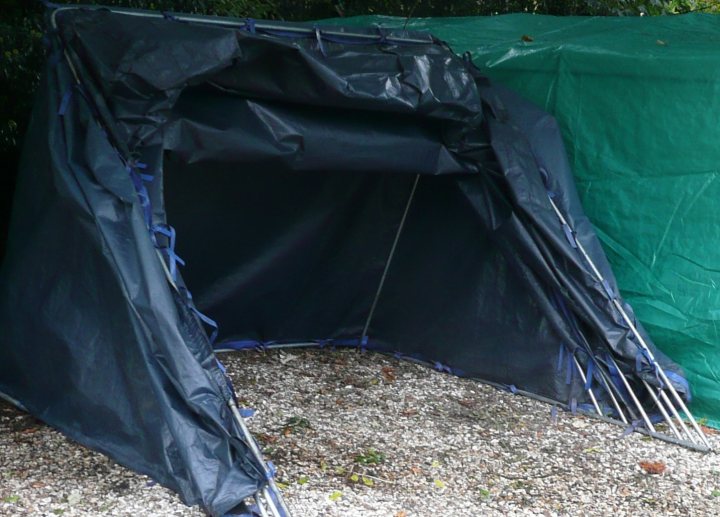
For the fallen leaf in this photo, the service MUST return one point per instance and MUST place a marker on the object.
(409, 412)
(388, 373)
(526, 38)
(416, 470)
(367, 481)
(337, 494)
(266, 438)
(401, 513)
(708, 430)
(439, 483)
(653, 467)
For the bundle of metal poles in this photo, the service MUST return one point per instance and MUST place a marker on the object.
(671, 406)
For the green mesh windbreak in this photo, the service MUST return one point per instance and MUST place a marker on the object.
(638, 101)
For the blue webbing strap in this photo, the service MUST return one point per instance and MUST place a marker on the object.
(250, 25)
(615, 377)
(631, 428)
(569, 370)
(561, 357)
(65, 101)
(569, 235)
(242, 344)
(589, 373)
(608, 290)
(681, 381)
(246, 412)
(208, 321)
(132, 167)
(383, 35)
(169, 250)
(441, 367)
(318, 37)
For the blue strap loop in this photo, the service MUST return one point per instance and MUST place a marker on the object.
(561, 357)
(319, 39)
(65, 101)
(246, 412)
(634, 425)
(173, 259)
(589, 373)
(271, 470)
(441, 367)
(208, 321)
(569, 235)
(383, 35)
(608, 290)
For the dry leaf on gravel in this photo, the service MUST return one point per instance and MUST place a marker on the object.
(388, 373)
(653, 467)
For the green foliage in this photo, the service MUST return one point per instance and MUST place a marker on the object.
(370, 457)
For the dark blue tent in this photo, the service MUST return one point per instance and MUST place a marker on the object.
(332, 187)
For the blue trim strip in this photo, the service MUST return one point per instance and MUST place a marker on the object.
(366, 344)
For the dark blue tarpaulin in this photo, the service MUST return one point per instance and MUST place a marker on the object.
(369, 188)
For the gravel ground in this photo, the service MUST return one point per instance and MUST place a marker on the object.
(361, 434)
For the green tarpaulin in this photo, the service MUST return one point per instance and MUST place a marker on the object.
(638, 101)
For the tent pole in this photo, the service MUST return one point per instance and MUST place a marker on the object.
(661, 407)
(261, 506)
(264, 26)
(589, 390)
(389, 259)
(674, 411)
(255, 450)
(634, 398)
(640, 340)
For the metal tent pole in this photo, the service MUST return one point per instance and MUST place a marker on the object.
(263, 26)
(640, 340)
(366, 327)
(277, 511)
(589, 390)
(662, 409)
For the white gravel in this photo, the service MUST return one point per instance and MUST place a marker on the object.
(362, 434)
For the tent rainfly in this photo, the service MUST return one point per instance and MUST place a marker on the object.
(328, 186)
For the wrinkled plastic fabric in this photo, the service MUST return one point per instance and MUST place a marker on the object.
(286, 167)
(637, 100)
